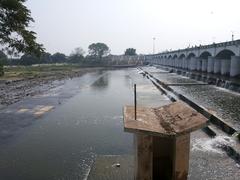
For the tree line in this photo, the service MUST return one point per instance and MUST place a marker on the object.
(97, 55)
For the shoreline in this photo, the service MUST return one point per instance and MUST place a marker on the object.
(15, 89)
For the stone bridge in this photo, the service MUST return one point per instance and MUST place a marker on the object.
(218, 58)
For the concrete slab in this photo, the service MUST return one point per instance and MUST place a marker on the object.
(166, 121)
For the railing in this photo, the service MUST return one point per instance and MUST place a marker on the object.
(214, 45)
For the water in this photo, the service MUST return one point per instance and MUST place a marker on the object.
(224, 103)
(63, 143)
(87, 121)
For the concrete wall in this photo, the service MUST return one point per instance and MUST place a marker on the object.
(217, 66)
(204, 65)
(225, 66)
(235, 66)
(210, 65)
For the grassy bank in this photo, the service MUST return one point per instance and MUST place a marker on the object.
(39, 71)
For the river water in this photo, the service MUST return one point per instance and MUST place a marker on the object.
(85, 120)
(63, 143)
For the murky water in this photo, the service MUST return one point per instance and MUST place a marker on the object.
(62, 144)
(224, 103)
(87, 121)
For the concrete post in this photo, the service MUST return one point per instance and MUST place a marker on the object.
(160, 153)
(175, 63)
(160, 61)
(225, 66)
(188, 64)
(165, 62)
(210, 65)
(185, 64)
(182, 63)
(235, 66)
(179, 63)
(204, 65)
(193, 63)
(199, 64)
(217, 66)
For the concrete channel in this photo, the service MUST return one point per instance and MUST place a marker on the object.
(215, 123)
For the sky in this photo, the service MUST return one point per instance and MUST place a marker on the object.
(62, 25)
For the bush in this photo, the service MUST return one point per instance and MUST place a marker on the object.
(1, 69)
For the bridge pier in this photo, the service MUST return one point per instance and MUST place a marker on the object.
(225, 66)
(182, 63)
(217, 66)
(210, 64)
(186, 64)
(176, 63)
(193, 64)
(204, 65)
(235, 66)
(199, 64)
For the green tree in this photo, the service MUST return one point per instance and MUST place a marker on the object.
(1, 68)
(15, 19)
(77, 55)
(98, 50)
(130, 52)
(58, 58)
(29, 59)
(3, 60)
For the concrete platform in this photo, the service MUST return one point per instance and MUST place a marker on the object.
(167, 121)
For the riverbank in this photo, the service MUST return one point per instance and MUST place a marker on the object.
(23, 81)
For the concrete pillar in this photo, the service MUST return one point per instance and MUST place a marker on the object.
(175, 63)
(193, 64)
(204, 65)
(181, 63)
(170, 62)
(185, 63)
(210, 64)
(165, 62)
(188, 64)
(217, 66)
(178, 63)
(235, 66)
(225, 66)
(199, 64)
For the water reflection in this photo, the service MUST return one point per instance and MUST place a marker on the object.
(102, 82)
(63, 144)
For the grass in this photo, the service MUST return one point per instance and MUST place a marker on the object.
(44, 70)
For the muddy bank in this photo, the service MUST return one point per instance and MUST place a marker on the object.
(13, 90)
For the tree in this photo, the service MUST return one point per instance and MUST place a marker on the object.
(58, 58)
(130, 52)
(29, 59)
(1, 68)
(15, 19)
(98, 50)
(3, 60)
(77, 55)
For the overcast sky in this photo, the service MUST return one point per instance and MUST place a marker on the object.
(63, 25)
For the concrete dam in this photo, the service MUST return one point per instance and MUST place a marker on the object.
(217, 58)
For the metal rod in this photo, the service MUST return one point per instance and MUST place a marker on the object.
(135, 101)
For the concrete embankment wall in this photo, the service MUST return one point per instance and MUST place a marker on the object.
(219, 80)
(174, 96)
